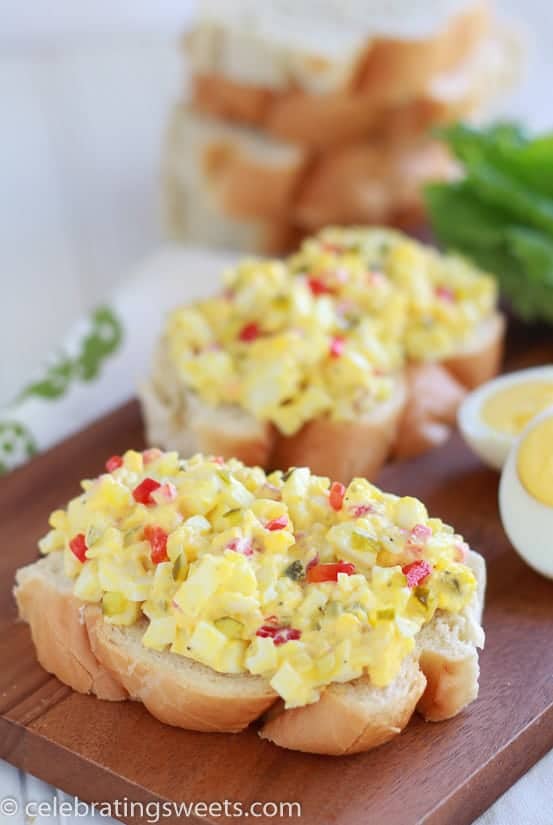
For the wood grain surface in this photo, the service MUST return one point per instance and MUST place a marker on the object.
(443, 773)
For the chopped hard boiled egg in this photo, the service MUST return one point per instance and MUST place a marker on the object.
(526, 494)
(492, 417)
(289, 576)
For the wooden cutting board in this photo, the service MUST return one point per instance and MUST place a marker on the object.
(433, 773)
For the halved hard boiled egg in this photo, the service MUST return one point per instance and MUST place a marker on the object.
(492, 417)
(526, 494)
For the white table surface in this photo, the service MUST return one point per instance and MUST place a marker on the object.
(83, 113)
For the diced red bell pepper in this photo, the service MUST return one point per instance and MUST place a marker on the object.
(337, 346)
(318, 286)
(114, 463)
(329, 572)
(416, 572)
(249, 332)
(277, 523)
(143, 493)
(158, 542)
(279, 634)
(336, 495)
(78, 547)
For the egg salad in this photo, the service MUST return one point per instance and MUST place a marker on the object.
(286, 349)
(444, 296)
(289, 576)
(326, 332)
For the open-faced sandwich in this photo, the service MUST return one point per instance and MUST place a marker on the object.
(218, 595)
(360, 345)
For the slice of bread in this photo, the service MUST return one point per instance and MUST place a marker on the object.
(448, 654)
(439, 680)
(434, 396)
(342, 450)
(45, 599)
(349, 718)
(419, 415)
(177, 419)
(322, 121)
(92, 656)
(223, 187)
(370, 183)
(177, 690)
(246, 173)
(389, 52)
(479, 359)
(435, 390)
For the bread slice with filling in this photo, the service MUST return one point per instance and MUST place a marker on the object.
(176, 690)
(177, 419)
(93, 656)
(439, 680)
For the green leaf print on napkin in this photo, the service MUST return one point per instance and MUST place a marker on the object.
(16, 445)
(103, 340)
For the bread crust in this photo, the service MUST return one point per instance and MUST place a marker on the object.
(369, 183)
(433, 398)
(342, 450)
(349, 718)
(451, 665)
(181, 698)
(322, 122)
(59, 633)
(386, 69)
(481, 359)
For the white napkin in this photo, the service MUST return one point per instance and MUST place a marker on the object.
(103, 357)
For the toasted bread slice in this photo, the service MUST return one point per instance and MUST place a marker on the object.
(176, 419)
(435, 390)
(351, 717)
(342, 450)
(370, 182)
(440, 679)
(480, 357)
(92, 656)
(448, 654)
(177, 690)
(323, 121)
(44, 596)
(223, 187)
(320, 51)
(248, 174)
(433, 398)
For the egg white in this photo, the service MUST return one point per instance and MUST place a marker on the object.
(527, 522)
(489, 444)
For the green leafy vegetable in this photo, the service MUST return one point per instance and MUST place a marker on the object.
(501, 213)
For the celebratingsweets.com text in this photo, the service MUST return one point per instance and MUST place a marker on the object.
(151, 812)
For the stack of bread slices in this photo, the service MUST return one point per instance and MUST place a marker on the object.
(303, 114)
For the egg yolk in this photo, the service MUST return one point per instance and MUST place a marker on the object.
(535, 462)
(510, 409)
